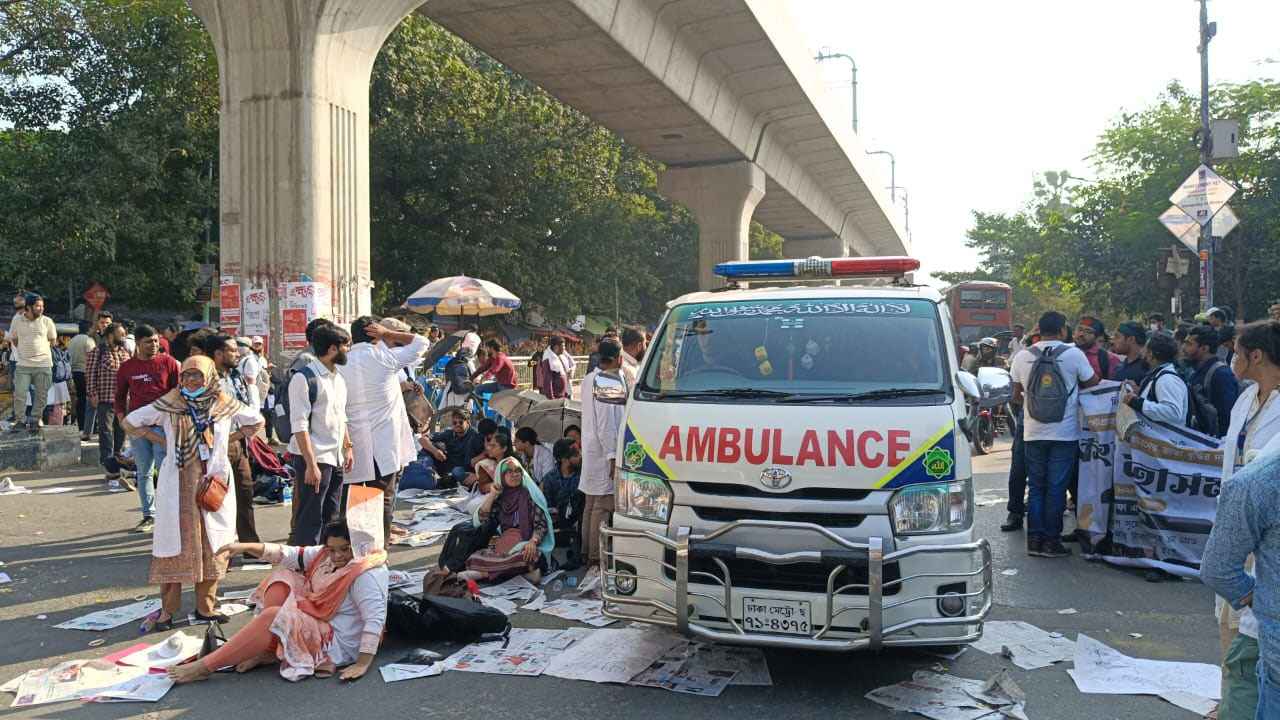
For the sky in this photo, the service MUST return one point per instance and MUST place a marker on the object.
(977, 98)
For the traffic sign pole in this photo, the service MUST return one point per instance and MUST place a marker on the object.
(1207, 31)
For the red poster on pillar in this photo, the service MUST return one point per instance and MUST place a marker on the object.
(229, 305)
(294, 322)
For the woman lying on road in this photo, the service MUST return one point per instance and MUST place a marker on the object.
(319, 609)
(198, 420)
(515, 512)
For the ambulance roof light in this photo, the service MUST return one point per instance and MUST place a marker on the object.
(818, 268)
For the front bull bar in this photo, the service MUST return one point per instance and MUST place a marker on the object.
(676, 614)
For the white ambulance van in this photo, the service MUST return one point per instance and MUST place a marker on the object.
(792, 471)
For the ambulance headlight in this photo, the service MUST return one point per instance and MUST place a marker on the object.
(643, 497)
(932, 508)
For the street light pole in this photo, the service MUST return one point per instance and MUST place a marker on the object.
(893, 173)
(1207, 31)
(906, 212)
(854, 69)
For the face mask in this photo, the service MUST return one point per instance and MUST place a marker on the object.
(193, 394)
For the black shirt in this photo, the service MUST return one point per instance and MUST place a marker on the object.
(459, 450)
(1135, 371)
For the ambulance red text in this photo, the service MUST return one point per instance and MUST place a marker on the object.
(761, 446)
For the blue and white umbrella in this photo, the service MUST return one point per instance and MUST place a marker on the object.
(462, 295)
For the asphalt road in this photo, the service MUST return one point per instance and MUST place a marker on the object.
(72, 553)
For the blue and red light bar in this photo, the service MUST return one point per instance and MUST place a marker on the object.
(818, 268)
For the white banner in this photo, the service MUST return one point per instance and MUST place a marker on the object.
(1159, 504)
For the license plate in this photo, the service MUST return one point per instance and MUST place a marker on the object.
(784, 617)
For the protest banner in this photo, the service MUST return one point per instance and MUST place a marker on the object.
(1161, 497)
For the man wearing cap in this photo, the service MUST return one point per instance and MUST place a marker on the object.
(1089, 332)
(1129, 340)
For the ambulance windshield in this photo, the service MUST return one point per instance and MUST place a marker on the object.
(763, 348)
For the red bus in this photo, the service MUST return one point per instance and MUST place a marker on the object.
(980, 309)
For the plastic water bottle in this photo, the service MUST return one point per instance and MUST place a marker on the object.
(287, 497)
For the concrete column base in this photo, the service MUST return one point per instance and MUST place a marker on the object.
(722, 198)
(53, 447)
(823, 247)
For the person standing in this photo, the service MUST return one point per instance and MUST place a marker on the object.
(141, 380)
(1016, 345)
(471, 339)
(1162, 396)
(377, 421)
(320, 447)
(32, 335)
(1129, 341)
(225, 353)
(634, 344)
(1254, 428)
(102, 365)
(1049, 442)
(1088, 336)
(601, 424)
(198, 421)
(556, 370)
(78, 349)
(1017, 504)
(1212, 377)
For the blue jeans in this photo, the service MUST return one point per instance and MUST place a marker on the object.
(1048, 474)
(1268, 695)
(147, 455)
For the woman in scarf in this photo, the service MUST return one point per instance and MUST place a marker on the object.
(516, 514)
(199, 421)
(321, 608)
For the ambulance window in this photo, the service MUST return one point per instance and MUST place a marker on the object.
(798, 346)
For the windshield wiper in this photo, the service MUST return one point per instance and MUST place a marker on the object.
(726, 392)
(882, 394)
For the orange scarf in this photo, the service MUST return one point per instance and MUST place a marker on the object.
(329, 589)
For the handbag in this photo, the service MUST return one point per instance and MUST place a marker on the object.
(211, 492)
(214, 638)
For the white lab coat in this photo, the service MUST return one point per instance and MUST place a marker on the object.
(376, 417)
(601, 424)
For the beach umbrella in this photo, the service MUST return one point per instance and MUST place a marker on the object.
(463, 296)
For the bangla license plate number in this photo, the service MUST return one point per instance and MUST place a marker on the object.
(785, 617)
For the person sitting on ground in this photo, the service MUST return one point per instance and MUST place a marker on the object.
(515, 514)
(560, 484)
(574, 433)
(321, 608)
(497, 446)
(534, 454)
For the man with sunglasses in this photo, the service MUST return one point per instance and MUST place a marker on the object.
(454, 449)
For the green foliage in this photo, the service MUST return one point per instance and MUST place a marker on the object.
(1099, 246)
(764, 243)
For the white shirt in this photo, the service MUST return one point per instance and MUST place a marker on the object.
(1170, 405)
(601, 423)
(130, 344)
(1075, 369)
(1015, 347)
(630, 368)
(327, 425)
(544, 461)
(33, 340)
(471, 341)
(250, 368)
(376, 417)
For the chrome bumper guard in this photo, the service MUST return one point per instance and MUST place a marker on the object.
(873, 635)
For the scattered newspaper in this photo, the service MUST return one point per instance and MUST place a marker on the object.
(506, 607)
(946, 697)
(527, 652)
(612, 655)
(395, 672)
(112, 617)
(420, 539)
(12, 685)
(537, 603)
(236, 594)
(73, 680)
(173, 650)
(515, 589)
(145, 688)
(696, 668)
(1104, 670)
(1026, 645)
(587, 612)
(405, 579)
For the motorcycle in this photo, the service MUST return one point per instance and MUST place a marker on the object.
(989, 411)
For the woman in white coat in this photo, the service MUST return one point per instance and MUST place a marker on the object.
(199, 420)
(1254, 431)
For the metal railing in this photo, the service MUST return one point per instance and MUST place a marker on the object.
(690, 583)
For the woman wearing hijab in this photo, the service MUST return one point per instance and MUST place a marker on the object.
(321, 608)
(516, 514)
(199, 420)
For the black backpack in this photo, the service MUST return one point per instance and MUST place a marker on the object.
(1202, 414)
(463, 540)
(1047, 391)
(280, 421)
(433, 618)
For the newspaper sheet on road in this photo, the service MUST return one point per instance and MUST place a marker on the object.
(1104, 670)
(515, 589)
(145, 688)
(587, 612)
(946, 697)
(696, 668)
(1029, 647)
(112, 617)
(612, 655)
(406, 579)
(395, 672)
(73, 680)
(526, 652)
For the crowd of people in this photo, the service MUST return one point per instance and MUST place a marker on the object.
(196, 407)
(1209, 377)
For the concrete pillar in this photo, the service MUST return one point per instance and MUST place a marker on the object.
(722, 198)
(294, 134)
(828, 246)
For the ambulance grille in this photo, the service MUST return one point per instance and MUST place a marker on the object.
(797, 577)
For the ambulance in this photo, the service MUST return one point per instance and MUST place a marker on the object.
(793, 471)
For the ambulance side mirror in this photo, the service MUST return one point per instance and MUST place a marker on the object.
(968, 383)
(609, 389)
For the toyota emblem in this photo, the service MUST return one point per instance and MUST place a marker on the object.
(775, 478)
